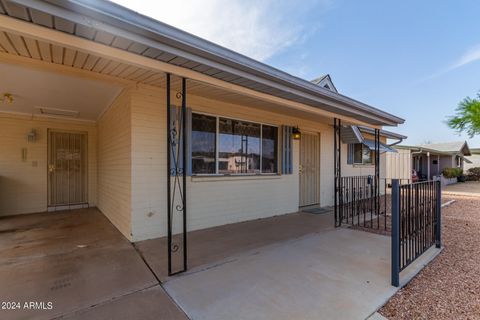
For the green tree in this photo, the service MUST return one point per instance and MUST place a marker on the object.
(467, 116)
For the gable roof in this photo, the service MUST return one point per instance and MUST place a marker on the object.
(325, 81)
(452, 148)
(112, 25)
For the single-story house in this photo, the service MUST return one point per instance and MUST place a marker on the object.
(428, 160)
(106, 108)
(474, 159)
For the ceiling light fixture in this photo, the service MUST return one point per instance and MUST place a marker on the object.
(57, 112)
(7, 98)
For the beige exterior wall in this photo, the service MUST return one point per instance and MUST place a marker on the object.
(23, 184)
(215, 200)
(398, 165)
(115, 163)
(130, 187)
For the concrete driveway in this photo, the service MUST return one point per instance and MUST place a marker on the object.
(81, 264)
(337, 274)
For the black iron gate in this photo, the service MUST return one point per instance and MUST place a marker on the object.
(416, 222)
(176, 182)
(358, 199)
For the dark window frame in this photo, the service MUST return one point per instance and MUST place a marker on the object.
(217, 141)
(363, 162)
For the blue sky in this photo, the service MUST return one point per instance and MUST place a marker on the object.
(415, 59)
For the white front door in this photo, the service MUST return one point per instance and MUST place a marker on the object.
(309, 169)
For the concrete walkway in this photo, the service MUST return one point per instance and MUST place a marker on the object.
(215, 244)
(78, 261)
(337, 274)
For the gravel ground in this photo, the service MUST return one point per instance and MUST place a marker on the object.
(449, 287)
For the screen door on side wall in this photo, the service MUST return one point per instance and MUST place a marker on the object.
(67, 169)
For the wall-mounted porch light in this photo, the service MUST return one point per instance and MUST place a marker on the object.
(296, 134)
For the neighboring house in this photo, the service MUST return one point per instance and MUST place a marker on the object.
(88, 124)
(428, 160)
(474, 159)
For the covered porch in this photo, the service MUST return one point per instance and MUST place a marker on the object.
(300, 255)
(112, 93)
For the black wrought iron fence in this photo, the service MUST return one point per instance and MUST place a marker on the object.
(416, 222)
(359, 200)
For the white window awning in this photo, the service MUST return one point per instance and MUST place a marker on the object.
(383, 147)
(353, 134)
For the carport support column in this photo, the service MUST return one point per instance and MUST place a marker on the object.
(395, 235)
(176, 177)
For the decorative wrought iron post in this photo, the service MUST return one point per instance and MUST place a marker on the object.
(377, 174)
(176, 176)
(337, 158)
(438, 214)
(395, 235)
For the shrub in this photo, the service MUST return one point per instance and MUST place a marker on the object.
(473, 174)
(452, 172)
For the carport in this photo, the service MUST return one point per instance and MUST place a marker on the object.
(79, 263)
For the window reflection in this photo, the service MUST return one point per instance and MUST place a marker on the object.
(239, 147)
(269, 149)
(204, 130)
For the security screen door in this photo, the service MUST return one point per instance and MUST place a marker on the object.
(67, 169)
(309, 169)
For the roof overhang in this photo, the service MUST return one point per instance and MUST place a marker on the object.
(422, 150)
(109, 25)
(383, 133)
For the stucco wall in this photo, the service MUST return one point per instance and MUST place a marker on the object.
(23, 184)
(216, 200)
(115, 163)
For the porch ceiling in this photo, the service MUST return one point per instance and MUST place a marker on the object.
(106, 24)
(21, 50)
(50, 94)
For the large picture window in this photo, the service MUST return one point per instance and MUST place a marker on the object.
(243, 147)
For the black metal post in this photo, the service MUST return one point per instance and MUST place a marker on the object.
(337, 159)
(169, 165)
(335, 177)
(438, 213)
(395, 241)
(184, 171)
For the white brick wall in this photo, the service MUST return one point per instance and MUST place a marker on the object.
(115, 163)
(213, 200)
